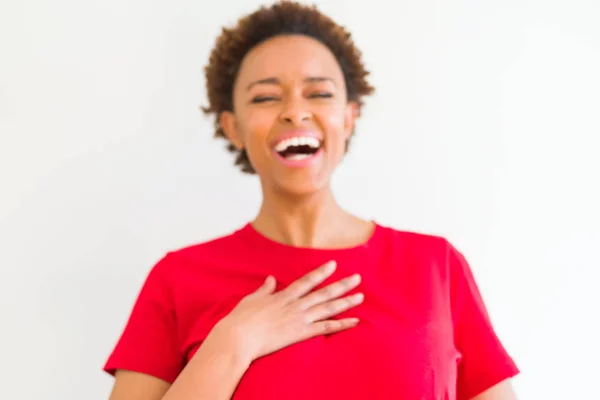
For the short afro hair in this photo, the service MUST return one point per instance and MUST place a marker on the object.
(284, 18)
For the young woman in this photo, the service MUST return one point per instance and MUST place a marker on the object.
(306, 301)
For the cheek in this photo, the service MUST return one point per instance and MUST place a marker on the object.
(333, 121)
(334, 115)
(257, 125)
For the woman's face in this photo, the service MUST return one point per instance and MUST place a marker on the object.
(291, 114)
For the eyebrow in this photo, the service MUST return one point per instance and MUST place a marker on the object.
(276, 81)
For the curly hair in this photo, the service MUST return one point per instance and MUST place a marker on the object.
(284, 18)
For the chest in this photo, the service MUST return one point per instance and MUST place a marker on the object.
(366, 362)
(403, 347)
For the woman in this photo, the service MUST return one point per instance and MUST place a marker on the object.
(345, 308)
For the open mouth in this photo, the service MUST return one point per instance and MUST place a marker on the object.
(298, 148)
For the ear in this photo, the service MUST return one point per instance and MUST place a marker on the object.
(352, 111)
(230, 128)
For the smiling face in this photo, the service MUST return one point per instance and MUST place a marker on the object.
(291, 113)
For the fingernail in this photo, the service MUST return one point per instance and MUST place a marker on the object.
(330, 266)
(358, 297)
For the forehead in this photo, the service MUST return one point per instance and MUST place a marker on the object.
(289, 58)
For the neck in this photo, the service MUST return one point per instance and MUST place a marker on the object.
(311, 221)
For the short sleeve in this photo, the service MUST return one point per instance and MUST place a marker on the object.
(148, 343)
(484, 360)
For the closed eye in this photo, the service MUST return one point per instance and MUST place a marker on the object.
(263, 99)
(323, 95)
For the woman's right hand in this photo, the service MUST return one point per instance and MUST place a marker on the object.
(266, 321)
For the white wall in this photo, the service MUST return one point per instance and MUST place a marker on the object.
(485, 129)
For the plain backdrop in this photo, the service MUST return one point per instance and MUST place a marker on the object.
(485, 129)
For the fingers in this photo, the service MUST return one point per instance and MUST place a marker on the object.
(308, 282)
(332, 308)
(329, 327)
(267, 287)
(329, 292)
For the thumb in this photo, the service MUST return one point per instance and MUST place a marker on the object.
(267, 287)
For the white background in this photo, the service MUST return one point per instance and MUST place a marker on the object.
(485, 128)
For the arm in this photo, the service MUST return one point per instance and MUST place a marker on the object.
(486, 367)
(263, 322)
(212, 363)
(138, 386)
(213, 373)
(501, 391)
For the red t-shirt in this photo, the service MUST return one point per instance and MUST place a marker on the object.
(424, 330)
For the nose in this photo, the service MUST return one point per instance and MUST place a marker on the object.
(294, 111)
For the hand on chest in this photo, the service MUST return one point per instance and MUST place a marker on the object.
(403, 345)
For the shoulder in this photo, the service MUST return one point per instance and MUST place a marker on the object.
(219, 245)
(414, 242)
(425, 252)
(210, 251)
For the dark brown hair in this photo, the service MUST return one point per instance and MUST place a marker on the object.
(284, 18)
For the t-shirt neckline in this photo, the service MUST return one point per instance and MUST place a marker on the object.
(255, 238)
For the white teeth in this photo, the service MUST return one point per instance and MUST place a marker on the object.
(281, 146)
(298, 156)
(298, 141)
